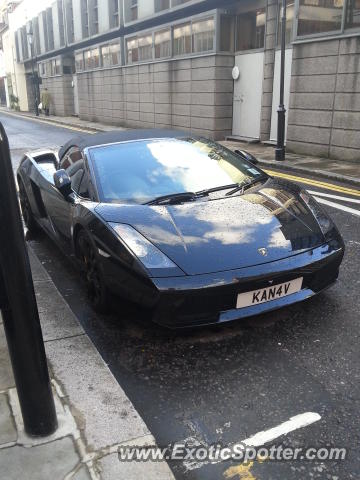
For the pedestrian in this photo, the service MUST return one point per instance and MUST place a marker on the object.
(45, 101)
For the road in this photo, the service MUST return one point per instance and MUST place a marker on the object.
(227, 383)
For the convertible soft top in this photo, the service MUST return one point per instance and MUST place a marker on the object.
(113, 136)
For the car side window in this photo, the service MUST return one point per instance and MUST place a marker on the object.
(73, 155)
(84, 187)
(76, 179)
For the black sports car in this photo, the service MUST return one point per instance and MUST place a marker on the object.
(179, 224)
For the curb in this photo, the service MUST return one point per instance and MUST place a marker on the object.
(316, 172)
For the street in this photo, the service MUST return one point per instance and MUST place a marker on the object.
(226, 383)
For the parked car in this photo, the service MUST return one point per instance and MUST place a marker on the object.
(179, 224)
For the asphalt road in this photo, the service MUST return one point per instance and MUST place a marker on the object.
(227, 383)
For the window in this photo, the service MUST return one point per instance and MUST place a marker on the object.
(50, 30)
(105, 56)
(132, 50)
(250, 30)
(84, 186)
(56, 67)
(95, 18)
(95, 58)
(161, 5)
(69, 21)
(134, 10)
(162, 44)
(182, 39)
(227, 35)
(114, 53)
(85, 18)
(76, 177)
(87, 60)
(319, 16)
(352, 14)
(79, 61)
(145, 47)
(60, 17)
(72, 156)
(114, 13)
(49, 68)
(36, 35)
(203, 35)
(290, 6)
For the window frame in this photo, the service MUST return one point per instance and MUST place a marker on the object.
(211, 14)
(99, 47)
(343, 31)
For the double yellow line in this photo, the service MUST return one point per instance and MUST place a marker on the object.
(315, 183)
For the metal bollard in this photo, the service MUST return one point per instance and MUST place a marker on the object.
(19, 310)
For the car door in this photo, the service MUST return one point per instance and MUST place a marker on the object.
(60, 210)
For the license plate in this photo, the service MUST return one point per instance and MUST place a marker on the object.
(268, 294)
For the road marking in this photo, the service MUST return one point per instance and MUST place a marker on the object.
(334, 197)
(300, 421)
(338, 206)
(54, 124)
(315, 183)
(261, 438)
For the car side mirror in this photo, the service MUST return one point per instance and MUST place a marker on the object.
(247, 156)
(63, 183)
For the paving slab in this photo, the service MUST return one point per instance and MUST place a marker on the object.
(8, 433)
(49, 461)
(66, 422)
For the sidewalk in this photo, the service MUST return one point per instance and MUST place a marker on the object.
(336, 170)
(94, 414)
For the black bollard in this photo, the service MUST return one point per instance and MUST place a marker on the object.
(19, 310)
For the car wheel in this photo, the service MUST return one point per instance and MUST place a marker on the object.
(27, 213)
(96, 289)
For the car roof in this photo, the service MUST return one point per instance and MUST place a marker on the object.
(114, 136)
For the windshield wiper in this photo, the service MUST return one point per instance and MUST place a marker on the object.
(217, 189)
(241, 188)
(173, 198)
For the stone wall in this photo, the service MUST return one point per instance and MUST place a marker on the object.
(194, 94)
(324, 116)
(62, 97)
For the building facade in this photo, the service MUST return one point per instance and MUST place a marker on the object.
(170, 63)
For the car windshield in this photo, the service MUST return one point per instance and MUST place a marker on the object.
(140, 171)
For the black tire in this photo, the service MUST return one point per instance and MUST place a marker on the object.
(26, 211)
(97, 291)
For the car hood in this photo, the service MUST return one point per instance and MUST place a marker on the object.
(226, 233)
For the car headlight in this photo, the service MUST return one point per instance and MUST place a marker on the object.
(324, 221)
(149, 255)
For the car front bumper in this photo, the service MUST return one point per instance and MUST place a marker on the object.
(199, 300)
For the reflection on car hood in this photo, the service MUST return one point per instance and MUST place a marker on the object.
(227, 233)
